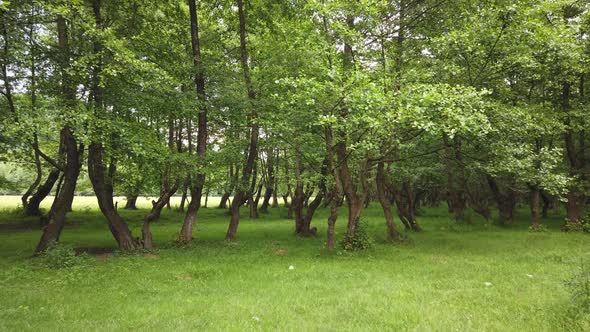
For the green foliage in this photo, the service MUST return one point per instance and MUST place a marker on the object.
(582, 225)
(539, 229)
(361, 240)
(59, 255)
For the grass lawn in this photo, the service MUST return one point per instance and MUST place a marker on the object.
(436, 281)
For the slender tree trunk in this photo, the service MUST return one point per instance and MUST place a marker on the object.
(380, 180)
(546, 204)
(336, 190)
(156, 211)
(184, 196)
(197, 188)
(254, 129)
(575, 199)
(69, 151)
(101, 177)
(270, 183)
(535, 199)
(255, 201)
(42, 192)
(223, 201)
(62, 202)
(455, 178)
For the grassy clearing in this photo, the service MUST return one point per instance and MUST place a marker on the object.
(435, 282)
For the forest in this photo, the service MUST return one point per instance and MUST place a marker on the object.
(428, 144)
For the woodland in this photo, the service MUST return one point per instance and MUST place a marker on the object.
(396, 148)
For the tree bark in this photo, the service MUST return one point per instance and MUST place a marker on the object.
(336, 192)
(63, 201)
(575, 158)
(505, 200)
(254, 129)
(186, 233)
(101, 180)
(157, 206)
(69, 151)
(270, 183)
(381, 180)
(455, 178)
(131, 203)
(535, 200)
(101, 177)
(42, 192)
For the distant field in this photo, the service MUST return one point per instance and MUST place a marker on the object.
(89, 202)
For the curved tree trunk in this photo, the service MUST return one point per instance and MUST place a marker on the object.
(101, 179)
(42, 192)
(62, 202)
(156, 211)
(223, 201)
(38, 176)
(69, 151)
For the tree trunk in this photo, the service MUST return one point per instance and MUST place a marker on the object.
(103, 188)
(455, 178)
(43, 191)
(223, 201)
(101, 177)
(546, 204)
(574, 207)
(131, 202)
(61, 203)
(336, 192)
(575, 158)
(68, 148)
(270, 183)
(505, 200)
(235, 216)
(186, 232)
(156, 211)
(380, 180)
(535, 199)
(254, 129)
(38, 176)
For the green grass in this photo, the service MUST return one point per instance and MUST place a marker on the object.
(434, 282)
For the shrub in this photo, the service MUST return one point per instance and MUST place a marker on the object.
(583, 225)
(539, 229)
(361, 239)
(59, 255)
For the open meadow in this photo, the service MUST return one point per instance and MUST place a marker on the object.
(448, 277)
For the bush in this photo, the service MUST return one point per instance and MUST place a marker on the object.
(59, 255)
(583, 225)
(361, 239)
(540, 229)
